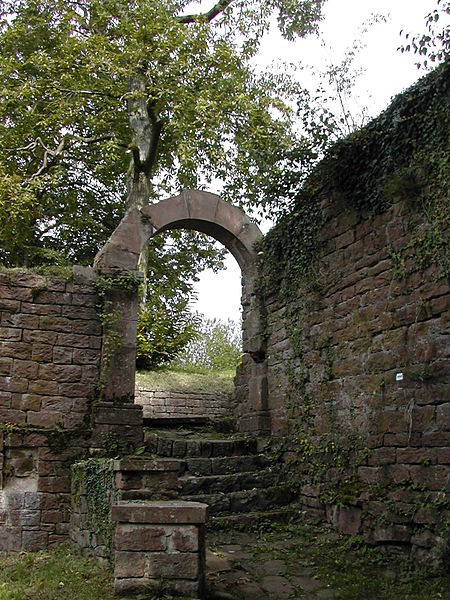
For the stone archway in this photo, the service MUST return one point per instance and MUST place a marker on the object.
(207, 213)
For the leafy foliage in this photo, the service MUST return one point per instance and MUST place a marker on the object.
(434, 45)
(165, 323)
(216, 345)
(416, 123)
(163, 331)
(109, 104)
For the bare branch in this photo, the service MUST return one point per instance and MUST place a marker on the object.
(209, 16)
(88, 93)
(67, 142)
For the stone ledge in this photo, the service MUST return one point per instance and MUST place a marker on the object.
(142, 464)
(168, 512)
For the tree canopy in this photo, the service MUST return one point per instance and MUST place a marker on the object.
(108, 104)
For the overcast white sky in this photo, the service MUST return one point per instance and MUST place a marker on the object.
(387, 72)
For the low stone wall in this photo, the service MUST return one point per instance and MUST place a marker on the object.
(50, 413)
(160, 405)
(51, 339)
(121, 516)
(160, 547)
(49, 367)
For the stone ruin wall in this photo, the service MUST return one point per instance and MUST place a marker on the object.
(49, 368)
(168, 405)
(368, 324)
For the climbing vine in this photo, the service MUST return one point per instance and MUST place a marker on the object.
(403, 154)
(93, 480)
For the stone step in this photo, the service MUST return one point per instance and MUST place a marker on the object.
(245, 500)
(235, 482)
(170, 445)
(252, 519)
(225, 465)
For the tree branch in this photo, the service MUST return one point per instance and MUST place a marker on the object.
(147, 166)
(209, 16)
(65, 144)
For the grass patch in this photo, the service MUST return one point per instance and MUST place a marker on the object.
(348, 566)
(59, 574)
(188, 380)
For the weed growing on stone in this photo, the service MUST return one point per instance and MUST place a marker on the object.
(346, 564)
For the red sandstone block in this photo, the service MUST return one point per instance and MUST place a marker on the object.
(85, 357)
(140, 538)
(25, 368)
(79, 312)
(54, 484)
(372, 474)
(443, 417)
(143, 464)
(14, 384)
(438, 438)
(73, 420)
(170, 512)
(6, 365)
(89, 374)
(60, 373)
(15, 293)
(73, 340)
(42, 352)
(129, 564)
(87, 327)
(382, 456)
(434, 477)
(55, 323)
(40, 309)
(51, 516)
(393, 533)
(32, 541)
(10, 306)
(15, 350)
(416, 455)
(439, 305)
(172, 566)
(45, 419)
(26, 402)
(426, 515)
(11, 334)
(46, 388)
(62, 356)
(48, 297)
(33, 440)
(398, 473)
(184, 539)
(21, 321)
(443, 456)
(85, 300)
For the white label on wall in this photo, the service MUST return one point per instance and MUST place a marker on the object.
(399, 377)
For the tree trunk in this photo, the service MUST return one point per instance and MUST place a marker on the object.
(146, 129)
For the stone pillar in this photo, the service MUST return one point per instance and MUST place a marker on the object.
(160, 546)
(254, 416)
(119, 345)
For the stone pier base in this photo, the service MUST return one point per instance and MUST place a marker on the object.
(160, 547)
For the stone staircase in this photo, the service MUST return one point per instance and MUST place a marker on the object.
(238, 482)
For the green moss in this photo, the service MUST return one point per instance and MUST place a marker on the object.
(62, 272)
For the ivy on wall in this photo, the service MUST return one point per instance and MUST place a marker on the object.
(402, 154)
(93, 481)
